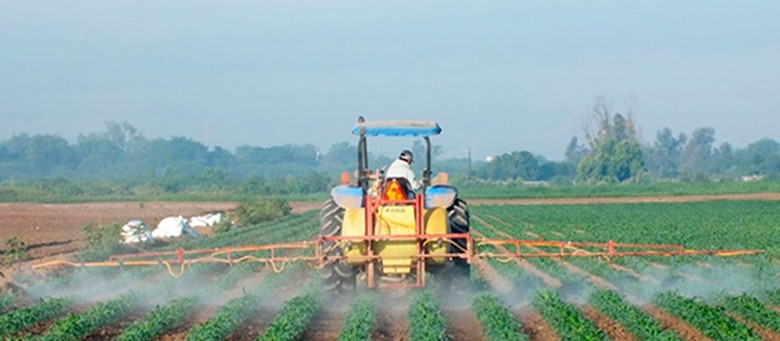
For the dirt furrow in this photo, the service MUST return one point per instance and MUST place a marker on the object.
(613, 329)
(391, 325)
(680, 327)
(535, 326)
(765, 333)
(326, 324)
(462, 325)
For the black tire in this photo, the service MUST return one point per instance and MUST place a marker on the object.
(455, 276)
(460, 222)
(336, 275)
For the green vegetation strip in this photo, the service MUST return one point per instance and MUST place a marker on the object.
(77, 326)
(159, 320)
(774, 297)
(567, 320)
(360, 320)
(21, 319)
(629, 316)
(6, 300)
(426, 320)
(225, 320)
(752, 309)
(498, 323)
(292, 321)
(712, 322)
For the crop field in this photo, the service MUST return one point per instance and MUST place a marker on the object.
(652, 298)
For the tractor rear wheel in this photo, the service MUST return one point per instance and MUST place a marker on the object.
(460, 222)
(336, 275)
(454, 276)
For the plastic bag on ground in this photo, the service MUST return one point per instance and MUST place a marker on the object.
(173, 227)
(135, 231)
(207, 220)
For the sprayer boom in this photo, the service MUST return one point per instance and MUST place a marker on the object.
(316, 255)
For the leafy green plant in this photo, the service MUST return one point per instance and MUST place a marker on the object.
(15, 251)
(159, 320)
(497, 321)
(294, 317)
(23, 318)
(426, 320)
(262, 210)
(6, 300)
(77, 326)
(225, 320)
(711, 321)
(360, 320)
(752, 309)
(102, 241)
(567, 320)
(629, 316)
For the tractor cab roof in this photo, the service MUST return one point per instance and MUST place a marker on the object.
(397, 128)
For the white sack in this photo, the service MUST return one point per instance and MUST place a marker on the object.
(207, 220)
(135, 231)
(172, 227)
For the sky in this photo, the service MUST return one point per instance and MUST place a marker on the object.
(498, 76)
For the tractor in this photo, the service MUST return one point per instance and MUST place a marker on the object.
(378, 228)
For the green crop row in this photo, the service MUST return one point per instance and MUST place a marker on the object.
(235, 311)
(752, 309)
(77, 326)
(497, 321)
(6, 300)
(291, 322)
(426, 320)
(712, 322)
(567, 320)
(19, 320)
(774, 296)
(159, 320)
(630, 317)
(360, 320)
(225, 320)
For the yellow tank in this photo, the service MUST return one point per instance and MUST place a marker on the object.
(393, 221)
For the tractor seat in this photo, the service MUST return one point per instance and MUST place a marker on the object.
(398, 189)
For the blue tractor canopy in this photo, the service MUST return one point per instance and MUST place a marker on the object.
(364, 128)
(397, 128)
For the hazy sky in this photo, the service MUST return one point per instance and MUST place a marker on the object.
(497, 76)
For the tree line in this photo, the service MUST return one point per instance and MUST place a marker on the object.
(121, 160)
(611, 152)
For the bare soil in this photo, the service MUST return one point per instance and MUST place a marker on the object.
(56, 229)
(614, 330)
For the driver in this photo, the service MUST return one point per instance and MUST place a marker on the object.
(401, 168)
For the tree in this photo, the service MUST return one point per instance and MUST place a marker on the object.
(575, 151)
(664, 160)
(698, 155)
(340, 157)
(516, 165)
(614, 152)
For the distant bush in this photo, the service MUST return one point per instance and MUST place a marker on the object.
(14, 251)
(262, 210)
(103, 241)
